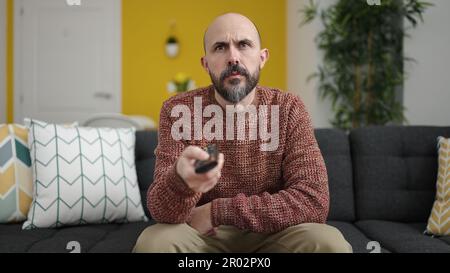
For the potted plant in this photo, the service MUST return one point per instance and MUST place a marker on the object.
(180, 83)
(172, 47)
(362, 68)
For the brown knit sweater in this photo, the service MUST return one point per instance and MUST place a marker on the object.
(261, 191)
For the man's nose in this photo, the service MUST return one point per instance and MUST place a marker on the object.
(233, 57)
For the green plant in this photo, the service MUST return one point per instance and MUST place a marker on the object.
(363, 58)
(180, 83)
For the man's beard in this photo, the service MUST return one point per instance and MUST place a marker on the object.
(235, 93)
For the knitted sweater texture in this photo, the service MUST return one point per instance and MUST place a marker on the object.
(259, 191)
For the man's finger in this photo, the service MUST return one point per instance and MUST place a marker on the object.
(209, 185)
(211, 232)
(220, 162)
(210, 174)
(194, 152)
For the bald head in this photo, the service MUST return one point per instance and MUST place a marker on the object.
(230, 25)
(233, 56)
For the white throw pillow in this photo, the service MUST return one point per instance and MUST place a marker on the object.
(82, 176)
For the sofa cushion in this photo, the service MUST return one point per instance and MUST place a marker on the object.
(146, 142)
(395, 171)
(445, 239)
(117, 238)
(335, 148)
(354, 236)
(403, 238)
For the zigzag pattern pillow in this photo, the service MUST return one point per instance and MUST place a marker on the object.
(16, 184)
(82, 176)
(439, 221)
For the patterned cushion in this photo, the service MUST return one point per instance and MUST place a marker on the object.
(15, 173)
(82, 176)
(439, 221)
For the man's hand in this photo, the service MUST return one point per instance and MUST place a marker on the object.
(200, 219)
(198, 182)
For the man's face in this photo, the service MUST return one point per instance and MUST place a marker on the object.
(233, 56)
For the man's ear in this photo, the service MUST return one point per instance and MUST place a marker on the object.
(204, 64)
(264, 56)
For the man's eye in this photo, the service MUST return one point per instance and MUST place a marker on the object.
(243, 45)
(219, 48)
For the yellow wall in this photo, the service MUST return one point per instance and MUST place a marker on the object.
(9, 61)
(146, 26)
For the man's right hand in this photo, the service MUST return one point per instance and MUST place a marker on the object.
(186, 170)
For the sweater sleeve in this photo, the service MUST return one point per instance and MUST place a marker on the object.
(304, 197)
(169, 199)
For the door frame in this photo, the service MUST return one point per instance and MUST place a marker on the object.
(116, 58)
(3, 77)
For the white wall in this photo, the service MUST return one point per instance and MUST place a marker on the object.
(2, 61)
(303, 60)
(427, 89)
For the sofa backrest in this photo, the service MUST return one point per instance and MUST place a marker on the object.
(333, 143)
(395, 170)
(385, 173)
(335, 147)
(146, 142)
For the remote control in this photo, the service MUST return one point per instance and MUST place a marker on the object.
(203, 166)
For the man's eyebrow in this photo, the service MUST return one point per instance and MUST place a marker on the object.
(257, 30)
(248, 41)
(220, 43)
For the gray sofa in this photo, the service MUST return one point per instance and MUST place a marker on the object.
(382, 187)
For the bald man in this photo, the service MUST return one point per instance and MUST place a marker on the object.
(257, 198)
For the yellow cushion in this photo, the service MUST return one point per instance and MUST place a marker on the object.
(439, 221)
(16, 188)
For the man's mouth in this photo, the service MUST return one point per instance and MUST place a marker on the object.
(234, 74)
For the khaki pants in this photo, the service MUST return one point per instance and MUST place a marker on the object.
(182, 238)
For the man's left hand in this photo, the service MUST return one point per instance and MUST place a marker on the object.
(200, 219)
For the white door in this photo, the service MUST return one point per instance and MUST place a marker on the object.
(67, 59)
